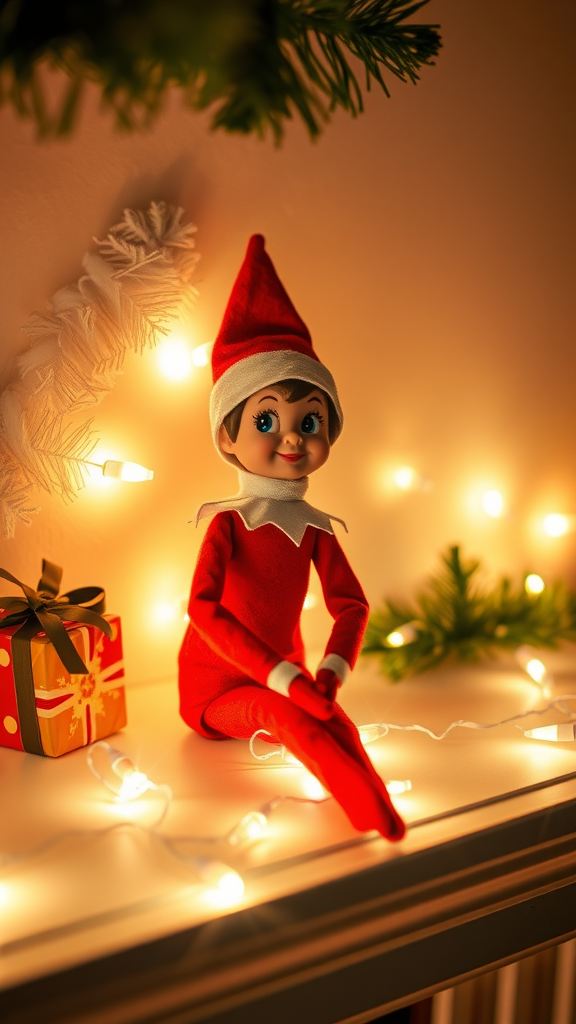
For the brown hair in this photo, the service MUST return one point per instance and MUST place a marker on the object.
(291, 391)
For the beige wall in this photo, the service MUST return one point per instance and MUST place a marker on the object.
(428, 245)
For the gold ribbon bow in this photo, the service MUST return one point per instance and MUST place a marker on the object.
(44, 609)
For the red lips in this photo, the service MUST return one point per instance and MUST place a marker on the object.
(291, 458)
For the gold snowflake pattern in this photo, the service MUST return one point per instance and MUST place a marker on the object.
(87, 688)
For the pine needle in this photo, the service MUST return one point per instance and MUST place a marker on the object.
(254, 64)
(458, 616)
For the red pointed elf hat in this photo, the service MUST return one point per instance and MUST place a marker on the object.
(259, 316)
(262, 340)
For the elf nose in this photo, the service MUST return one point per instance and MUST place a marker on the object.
(292, 438)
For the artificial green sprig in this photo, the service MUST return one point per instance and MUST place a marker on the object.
(254, 63)
(458, 616)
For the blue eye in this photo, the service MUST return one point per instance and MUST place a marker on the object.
(267, 422)
(311, 424)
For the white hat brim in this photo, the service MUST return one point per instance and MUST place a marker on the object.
(249, 375)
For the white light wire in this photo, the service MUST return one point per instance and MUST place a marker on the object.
(557, 704)
(264, 757)
(170, 843)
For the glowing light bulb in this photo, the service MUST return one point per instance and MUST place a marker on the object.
(175, 359)
(493, 504)
(310, 601)
(397, 786)
(200, 355)
(556, 525)
(405, 477)
(252, 826)
(395, 639)
(164, 612)
(534, 584)
(130, 471)
(123, 777)
(312, 787)
(133, 782)
(405, 634)
(220, 876)
(134, 785)
(536, 669)
(134, 473)
(372, 732)
(94, 467)
(562, 733)
(231, 885)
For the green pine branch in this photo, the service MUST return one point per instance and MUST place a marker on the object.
(254, 63)
(457, 616)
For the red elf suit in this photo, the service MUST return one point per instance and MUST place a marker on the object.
(243, 648)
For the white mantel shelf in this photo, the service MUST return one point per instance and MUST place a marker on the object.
(106, 928)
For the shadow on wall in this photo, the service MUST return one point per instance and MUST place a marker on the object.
(181, 184)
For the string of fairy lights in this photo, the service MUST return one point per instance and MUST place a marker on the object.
(127, 783)
(178, 360)
(492, 501)
(124, 780)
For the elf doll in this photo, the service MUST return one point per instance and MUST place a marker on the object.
(274, 414)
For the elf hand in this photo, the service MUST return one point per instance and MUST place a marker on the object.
(302, 692)
(327, 683)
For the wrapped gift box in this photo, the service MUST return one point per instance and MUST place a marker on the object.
(72, 710)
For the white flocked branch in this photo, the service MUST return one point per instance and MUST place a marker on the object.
(135, 283)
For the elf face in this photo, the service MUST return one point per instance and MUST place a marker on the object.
(280, 439)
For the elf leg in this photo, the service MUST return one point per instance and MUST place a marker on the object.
(343, 730)
(243, 710)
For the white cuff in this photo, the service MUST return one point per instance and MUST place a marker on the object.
(338, 665)
(281, 676)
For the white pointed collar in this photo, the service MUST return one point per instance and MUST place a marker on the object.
(263, 500)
